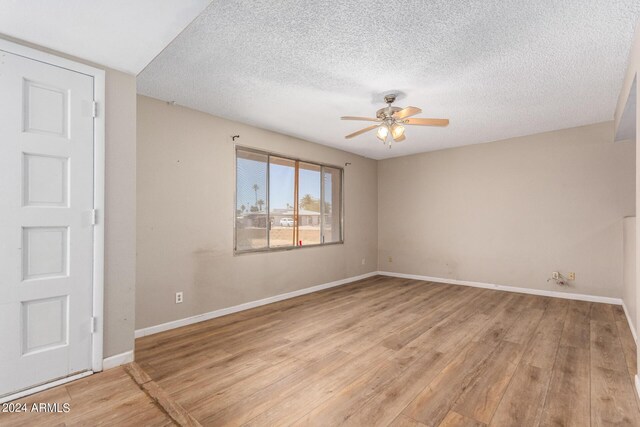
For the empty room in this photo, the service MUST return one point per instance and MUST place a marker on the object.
(287, 213)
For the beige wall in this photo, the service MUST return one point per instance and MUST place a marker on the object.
(511, 212)
(186, 173)
(120, 205)
(629, 272)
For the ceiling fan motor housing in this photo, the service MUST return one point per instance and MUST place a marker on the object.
(386, 112)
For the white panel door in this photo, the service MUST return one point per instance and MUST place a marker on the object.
(46, 232)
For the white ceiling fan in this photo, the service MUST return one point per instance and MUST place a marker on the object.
(391, 121)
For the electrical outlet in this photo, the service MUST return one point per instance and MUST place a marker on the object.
(572, 276)
(390, 259)
(364, 261)
(555, 275)
(179, 298)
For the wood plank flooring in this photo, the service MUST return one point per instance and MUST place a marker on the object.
(110, 398)
(379, 352)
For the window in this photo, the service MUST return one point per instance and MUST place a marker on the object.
(284, 203)
(331, 204)
(282, 182)
(251, 196)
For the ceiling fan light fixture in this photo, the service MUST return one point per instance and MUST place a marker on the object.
(383, 132)
(397, 130)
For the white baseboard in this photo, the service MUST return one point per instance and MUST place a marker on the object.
(117, 360)
(637, 385)
(252, 304)
(245, 306)
(631, 325)
(555, 294)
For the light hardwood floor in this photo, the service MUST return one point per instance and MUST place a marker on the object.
(383, 351)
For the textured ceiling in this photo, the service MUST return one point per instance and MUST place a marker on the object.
(495, 68)
(122, 34)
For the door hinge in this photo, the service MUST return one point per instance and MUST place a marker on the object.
(93, 216)
(94, 109)
(94, 325)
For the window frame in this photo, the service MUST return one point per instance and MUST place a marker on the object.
(268, 248)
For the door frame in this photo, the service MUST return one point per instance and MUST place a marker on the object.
(98, 187)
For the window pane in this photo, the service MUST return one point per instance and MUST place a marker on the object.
(332, 209)
(309, 204)
(281, 197)
(251, 196)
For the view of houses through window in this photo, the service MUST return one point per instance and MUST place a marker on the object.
(285, 203)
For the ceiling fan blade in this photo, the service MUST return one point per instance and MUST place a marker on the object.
(400, 138)
(366, 119)
(361, 131)
(427, 122)
(407, 112)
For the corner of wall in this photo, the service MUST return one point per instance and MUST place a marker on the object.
(120, 215)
